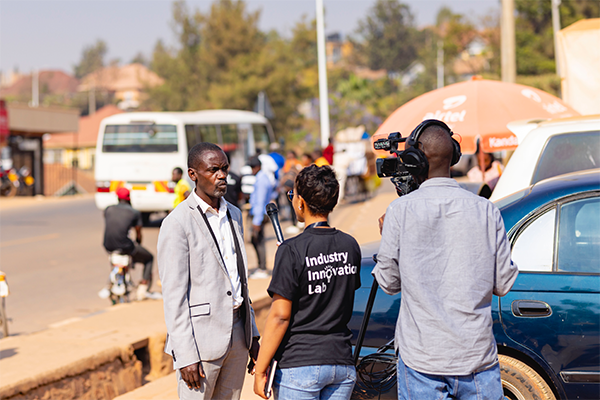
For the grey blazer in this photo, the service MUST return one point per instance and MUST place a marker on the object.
(196, 288)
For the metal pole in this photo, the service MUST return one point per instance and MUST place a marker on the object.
(323, 95)
(507, 26)
(35, 88)
(440, 64)
(365, 322)
(92, 101)
(556, 28)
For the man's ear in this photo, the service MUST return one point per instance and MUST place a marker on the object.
(192, 174)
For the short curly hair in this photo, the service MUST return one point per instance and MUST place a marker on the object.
(196, 152)
(319, 188)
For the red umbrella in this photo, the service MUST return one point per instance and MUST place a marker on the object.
(475, 110)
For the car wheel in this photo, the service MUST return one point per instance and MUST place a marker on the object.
(520, 382)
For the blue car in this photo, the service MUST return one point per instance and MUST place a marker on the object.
(548, 326)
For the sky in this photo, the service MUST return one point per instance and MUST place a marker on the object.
(51, 34)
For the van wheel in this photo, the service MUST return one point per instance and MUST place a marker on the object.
(520, 382)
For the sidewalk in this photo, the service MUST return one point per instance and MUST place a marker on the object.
(358, 220)
(97, 353)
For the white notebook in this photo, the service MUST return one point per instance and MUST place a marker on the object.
(270, 378)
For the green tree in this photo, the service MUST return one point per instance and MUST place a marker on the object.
(534, 34)
(456, 32)
(388, 38)
(223, 60)
(140, 58)
(92, 59)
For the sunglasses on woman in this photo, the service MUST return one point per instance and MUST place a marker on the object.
(290, 195)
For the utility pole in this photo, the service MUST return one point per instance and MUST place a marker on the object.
(440, 64)
(35, 88)
(507, 27)
(92, 101)
(556, 28)
(322, 61)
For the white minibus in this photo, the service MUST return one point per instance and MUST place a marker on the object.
(139, 150)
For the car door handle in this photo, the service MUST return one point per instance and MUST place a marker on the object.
(531, 308)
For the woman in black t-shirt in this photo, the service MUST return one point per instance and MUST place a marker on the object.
(314, 279)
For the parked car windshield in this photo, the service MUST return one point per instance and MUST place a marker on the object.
(567, 153)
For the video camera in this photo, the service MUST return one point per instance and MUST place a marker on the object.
(393, 167)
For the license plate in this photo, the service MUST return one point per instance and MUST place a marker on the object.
(138, 187)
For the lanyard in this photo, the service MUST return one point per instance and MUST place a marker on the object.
(318, 223)
(246, 313)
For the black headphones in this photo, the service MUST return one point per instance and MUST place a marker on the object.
(414, 158)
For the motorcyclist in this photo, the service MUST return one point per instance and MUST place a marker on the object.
(119, 219)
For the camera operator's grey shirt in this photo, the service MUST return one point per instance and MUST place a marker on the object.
(447, 249)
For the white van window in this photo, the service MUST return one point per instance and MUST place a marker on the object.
(229, 135)
(133, 138)
(261, 138)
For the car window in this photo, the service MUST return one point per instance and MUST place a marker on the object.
(579, 236)
(568, 153)
(533, 249)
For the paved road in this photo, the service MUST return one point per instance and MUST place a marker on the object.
(52, 254)
(51, 251)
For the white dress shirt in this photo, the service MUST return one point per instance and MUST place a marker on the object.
(222, 230)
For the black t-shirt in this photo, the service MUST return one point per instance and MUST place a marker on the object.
(118, 220)
(318, 271)
(234, 188)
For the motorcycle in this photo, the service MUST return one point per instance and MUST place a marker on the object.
(15, 181)
(120, 280)
(7, 188)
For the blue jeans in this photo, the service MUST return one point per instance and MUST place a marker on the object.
(315, 382)
(484, 385)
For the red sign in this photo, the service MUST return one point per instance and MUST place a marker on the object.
(4, 130)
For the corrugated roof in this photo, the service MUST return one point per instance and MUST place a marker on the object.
(50, 82)
(115, 78)
(88, 131)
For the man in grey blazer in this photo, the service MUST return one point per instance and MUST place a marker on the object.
(203, 269)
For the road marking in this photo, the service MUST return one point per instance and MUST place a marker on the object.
(65, 322)
(29, 240)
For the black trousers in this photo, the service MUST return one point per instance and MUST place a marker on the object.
(143, 256)
(258, 241)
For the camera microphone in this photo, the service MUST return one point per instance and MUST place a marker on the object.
(272, 213)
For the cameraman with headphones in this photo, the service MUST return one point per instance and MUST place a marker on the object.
(447, 250)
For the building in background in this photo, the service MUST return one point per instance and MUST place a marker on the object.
(337, 50)
(69, 156)
(127, 83)
(579, 61)
(23, 144)
(53, 86)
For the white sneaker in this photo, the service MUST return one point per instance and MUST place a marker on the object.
(104, 293)
(154, 295)
(260, 274)
(142, 292)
